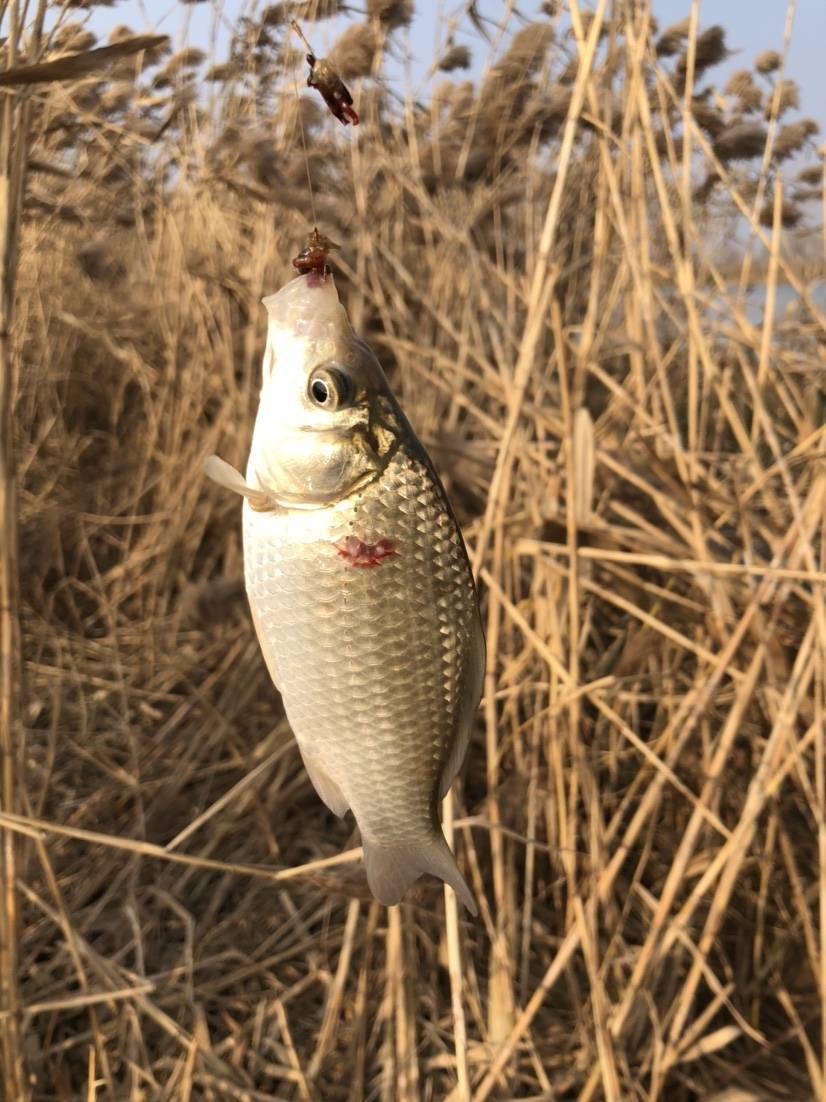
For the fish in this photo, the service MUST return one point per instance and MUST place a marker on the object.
(360, 588)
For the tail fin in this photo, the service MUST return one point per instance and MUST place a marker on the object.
(391, 869)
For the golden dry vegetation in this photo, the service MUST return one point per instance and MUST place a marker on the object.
(557, 263)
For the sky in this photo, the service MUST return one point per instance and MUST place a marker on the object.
(751, 25)
(756, 25)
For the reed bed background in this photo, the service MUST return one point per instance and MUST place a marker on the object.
(561, 265)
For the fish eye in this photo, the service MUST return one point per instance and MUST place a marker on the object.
(330, 388)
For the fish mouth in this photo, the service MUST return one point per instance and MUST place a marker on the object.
(339, 432)
(338, 424)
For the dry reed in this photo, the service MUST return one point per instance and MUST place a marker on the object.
(572, 317)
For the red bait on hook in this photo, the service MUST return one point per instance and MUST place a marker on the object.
(313, 257)
(336, 94)
(326, 80)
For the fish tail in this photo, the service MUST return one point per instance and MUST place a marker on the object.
(391, 869)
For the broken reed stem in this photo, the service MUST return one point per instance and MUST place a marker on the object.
(455, 969)
(10, 725)
(14, 123)
(771, 294)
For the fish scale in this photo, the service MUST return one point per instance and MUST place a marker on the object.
(380, 619)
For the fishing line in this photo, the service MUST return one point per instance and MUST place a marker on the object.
(295, 27)
(335, 93)
(306, 154)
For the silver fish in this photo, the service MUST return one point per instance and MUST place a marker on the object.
(360, 588)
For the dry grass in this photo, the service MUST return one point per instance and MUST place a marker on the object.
(637, 456)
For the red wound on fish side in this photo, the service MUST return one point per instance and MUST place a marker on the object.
(357, 553)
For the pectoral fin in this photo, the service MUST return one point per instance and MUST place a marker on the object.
(226, 475)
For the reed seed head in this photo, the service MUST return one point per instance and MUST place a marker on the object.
(742, 86)
(813, 174)
(455, 57)
(526, 52)
(355, 53)
(767, 62)
(741, 142)
(275, 15)
(315, 10)
(671, 40)
(391, 14)
(788, 98)
(790, 214)
(793, 137)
